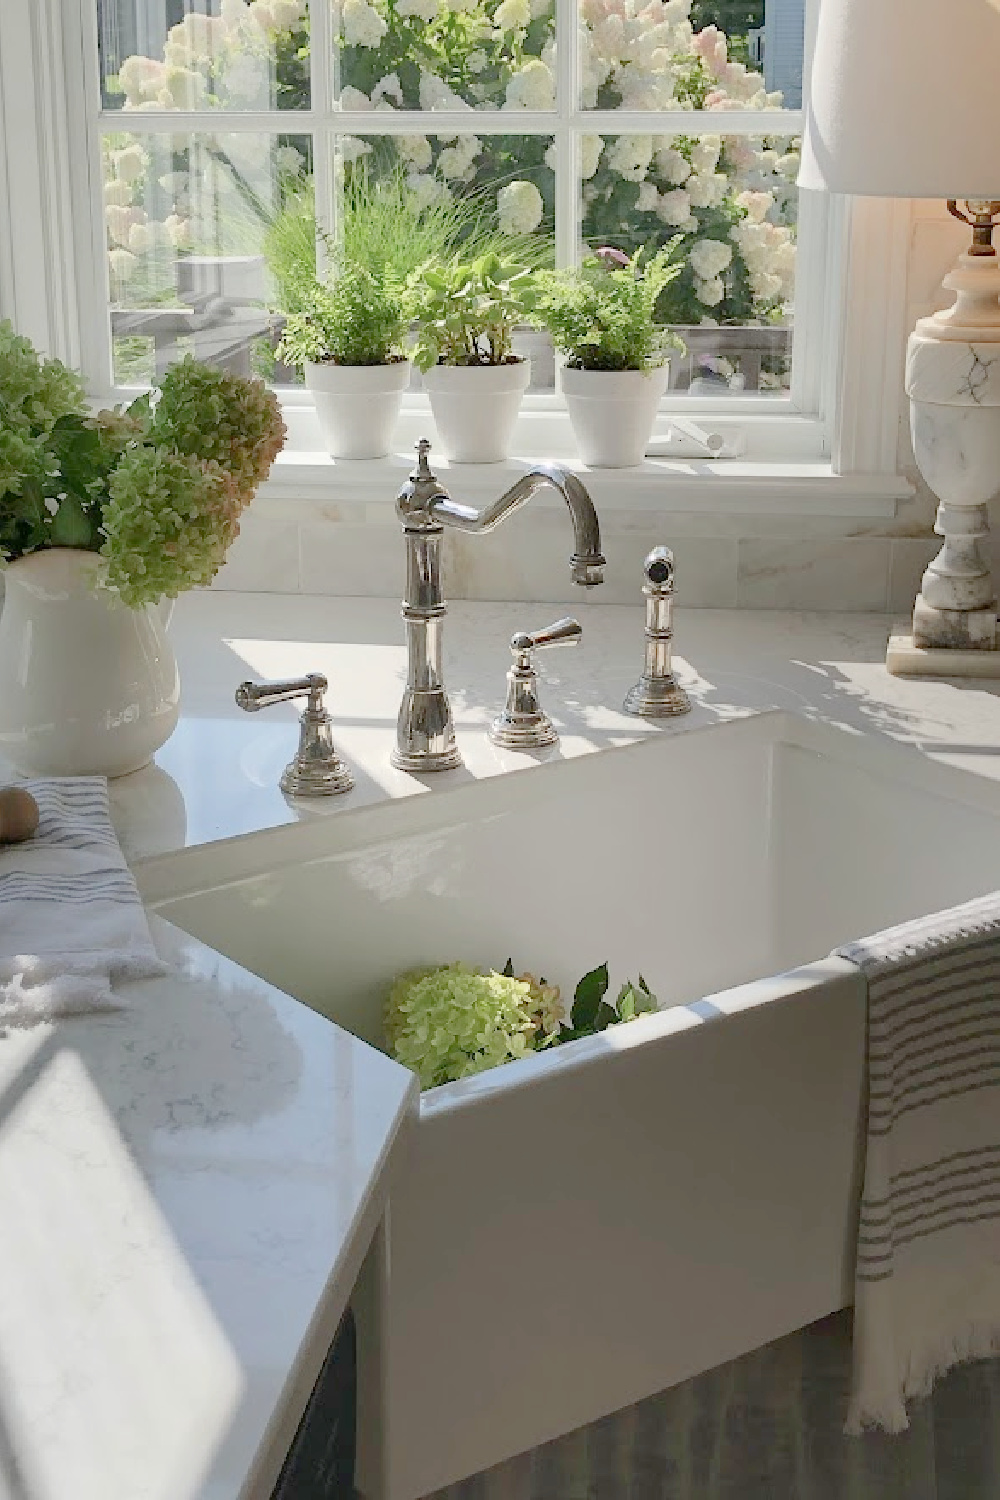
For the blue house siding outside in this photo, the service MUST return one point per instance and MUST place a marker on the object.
(784, 40)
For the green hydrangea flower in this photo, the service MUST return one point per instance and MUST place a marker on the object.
(34, 392)
(21, 457)
(168, 522)
(159, 496)
(218, 417)
(452, 1022)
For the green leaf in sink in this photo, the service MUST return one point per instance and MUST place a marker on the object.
(587, 1000)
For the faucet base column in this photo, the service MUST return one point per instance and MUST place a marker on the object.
(425, 734)
(657, 698)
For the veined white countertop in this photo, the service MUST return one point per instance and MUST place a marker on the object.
(217, 777)
(187, 1187)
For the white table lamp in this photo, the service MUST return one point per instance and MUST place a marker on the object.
(902, 104)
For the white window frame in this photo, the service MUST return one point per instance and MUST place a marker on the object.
(830, 447)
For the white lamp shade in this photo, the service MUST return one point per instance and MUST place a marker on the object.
(903, 99)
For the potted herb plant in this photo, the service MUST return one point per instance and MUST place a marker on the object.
(101, 518)
(348, 339)
(602, 319)
(466, 313)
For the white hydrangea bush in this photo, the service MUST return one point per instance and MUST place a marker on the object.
(730, 198)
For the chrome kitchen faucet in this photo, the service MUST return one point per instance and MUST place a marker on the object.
(425, 732)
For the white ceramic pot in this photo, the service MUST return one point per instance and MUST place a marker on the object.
(612, 413)
(87, 686)
(358, 406)
(475, 408)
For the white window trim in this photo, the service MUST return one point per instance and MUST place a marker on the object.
(831, 447)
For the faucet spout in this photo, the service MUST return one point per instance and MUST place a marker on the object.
(587, 562)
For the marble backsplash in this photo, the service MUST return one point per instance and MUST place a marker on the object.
(723, 562)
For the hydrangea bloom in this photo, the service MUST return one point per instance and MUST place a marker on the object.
(352, 98)
(452, 1022)
(362, 24)
(210, 414)
(710, 292)
(121, 264)
(673, 166)
(512, 14)
(674, 208)
(630, 156)
(590, 153)
(416, 150)
(36, 393)
(709, 258)
(169, 522)
(531, 87)
(159, 496)
(520, 208)
(130, 163)
(456, 162)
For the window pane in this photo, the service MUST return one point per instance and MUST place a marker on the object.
(731, 203)
(698, 54)
(447, 54)
(199, 54)
(189, 218)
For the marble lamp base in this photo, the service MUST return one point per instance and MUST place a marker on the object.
(953, 382)
(904, 658)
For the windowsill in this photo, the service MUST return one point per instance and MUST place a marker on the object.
(308, 481)
(782, 470)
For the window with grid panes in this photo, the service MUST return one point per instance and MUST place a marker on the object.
(230, 130)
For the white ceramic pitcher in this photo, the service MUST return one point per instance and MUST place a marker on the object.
(88, 686)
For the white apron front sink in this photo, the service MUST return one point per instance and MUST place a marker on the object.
(579, 1230)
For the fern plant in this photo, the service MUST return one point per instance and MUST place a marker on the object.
(357, 318)
(603, 316)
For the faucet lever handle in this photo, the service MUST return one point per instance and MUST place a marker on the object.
(253, 696)
(317, 770)
(523, 725)
(565, 632)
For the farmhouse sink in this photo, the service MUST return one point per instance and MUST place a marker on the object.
(579, 1230)
(704, 859)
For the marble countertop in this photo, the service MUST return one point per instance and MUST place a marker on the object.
(217, 777)
(186, 1187)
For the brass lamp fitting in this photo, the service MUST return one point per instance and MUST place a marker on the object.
(982, 215)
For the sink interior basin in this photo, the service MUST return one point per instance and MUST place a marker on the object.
(703, 859)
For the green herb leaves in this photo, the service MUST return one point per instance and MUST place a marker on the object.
(466, 311)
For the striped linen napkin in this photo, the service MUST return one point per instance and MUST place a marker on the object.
(71, 921)
(927, 1279)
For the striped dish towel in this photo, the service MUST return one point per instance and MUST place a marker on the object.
(927, 1280)
(71, 921)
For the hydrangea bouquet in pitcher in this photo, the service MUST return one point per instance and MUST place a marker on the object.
(103, 516)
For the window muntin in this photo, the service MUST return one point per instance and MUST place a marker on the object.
(613, 166)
